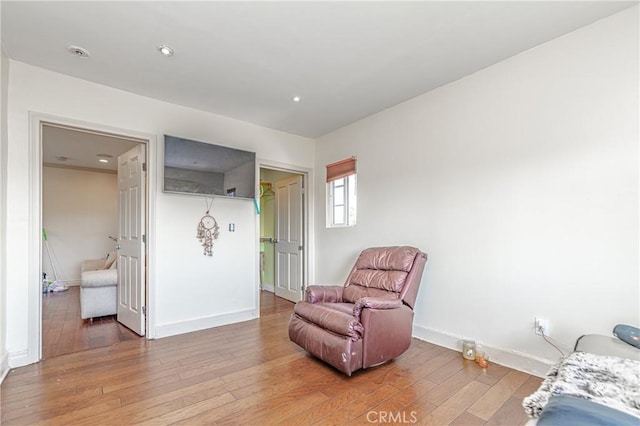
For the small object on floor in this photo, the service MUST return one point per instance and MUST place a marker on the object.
(469, 350)
(45, 283)
(482, 359)
(57, 286)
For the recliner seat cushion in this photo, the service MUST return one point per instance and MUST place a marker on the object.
(346, 308)
(330, 319)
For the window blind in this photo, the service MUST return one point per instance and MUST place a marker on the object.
(341, 169)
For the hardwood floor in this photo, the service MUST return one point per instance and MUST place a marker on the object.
(63, 331)
(249, 373)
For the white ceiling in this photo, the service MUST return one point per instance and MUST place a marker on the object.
(81, 149)
(246, 60)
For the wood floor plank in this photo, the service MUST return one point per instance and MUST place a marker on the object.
(48, 406)
(396, 405)
(263, 404)
(63, 331)
(359, 406)
(466, 419)
(489, 403)
(510, 413)
(246, 373)
(530, 386)
(492, 375)
(448, 388)
(448, 411)
(319, 411)
(449, 369)
(178, 409)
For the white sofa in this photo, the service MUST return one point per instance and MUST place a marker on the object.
(98, 287)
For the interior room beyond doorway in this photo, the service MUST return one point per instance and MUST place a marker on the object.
(80, 221)
(268, 217)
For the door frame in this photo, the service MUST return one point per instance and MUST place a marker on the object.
(308, 274)
(36, 121)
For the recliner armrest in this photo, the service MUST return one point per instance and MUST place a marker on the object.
(323, 293)
(375, 303)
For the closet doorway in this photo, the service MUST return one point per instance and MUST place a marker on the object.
(283, 222)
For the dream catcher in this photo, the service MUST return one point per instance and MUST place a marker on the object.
(208, 230)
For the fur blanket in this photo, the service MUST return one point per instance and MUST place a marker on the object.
(608, 380)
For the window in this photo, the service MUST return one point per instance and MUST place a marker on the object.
(341, 193)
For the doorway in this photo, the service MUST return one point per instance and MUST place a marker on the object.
(81, 194)
(283, 222)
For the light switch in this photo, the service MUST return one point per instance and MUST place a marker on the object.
(232, 227)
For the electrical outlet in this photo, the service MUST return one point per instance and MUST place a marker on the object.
(541, 326)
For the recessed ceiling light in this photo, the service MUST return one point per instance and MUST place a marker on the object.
(104, 155)
(296, 99)
(78, 51)
(165, 50)
(103, 160)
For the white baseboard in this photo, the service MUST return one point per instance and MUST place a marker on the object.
(188, 326)
(4, 366)
(509, 358)
(19, 359)
(269, 287)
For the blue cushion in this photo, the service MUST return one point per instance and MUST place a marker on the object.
(562, 410)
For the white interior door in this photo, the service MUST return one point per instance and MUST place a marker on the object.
(289, 238)
(131, 239)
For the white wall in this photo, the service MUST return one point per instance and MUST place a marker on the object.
(521, 183)
(4, 82)
(189, 290)
(79, 213)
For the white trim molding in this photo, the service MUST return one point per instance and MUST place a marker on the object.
(4, 366)
(18, 359)
(197, 324)
(33, 353)
(309, 220)
(507, 357)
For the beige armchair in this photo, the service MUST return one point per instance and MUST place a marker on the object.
(367, 321)
(98, 287)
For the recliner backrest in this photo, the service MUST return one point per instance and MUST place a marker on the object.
(381, 272)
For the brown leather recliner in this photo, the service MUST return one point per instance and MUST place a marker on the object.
(367, 321)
